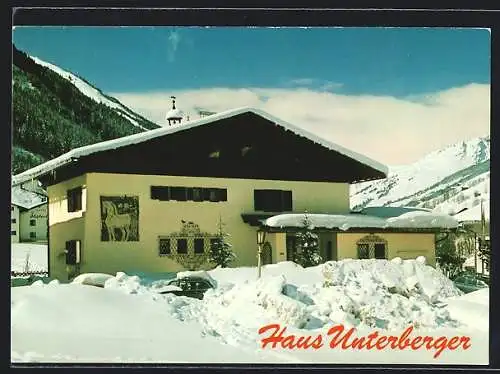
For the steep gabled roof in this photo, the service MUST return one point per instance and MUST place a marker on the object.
(76, 153)
(27, 199)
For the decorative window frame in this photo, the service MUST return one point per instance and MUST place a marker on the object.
(190, 260)
(371, 240)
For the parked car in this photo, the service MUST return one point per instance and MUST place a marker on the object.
(469, 282)
(188, 286)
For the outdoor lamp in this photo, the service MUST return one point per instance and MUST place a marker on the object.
(261, 236)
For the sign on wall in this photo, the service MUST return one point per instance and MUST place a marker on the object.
(119, 218)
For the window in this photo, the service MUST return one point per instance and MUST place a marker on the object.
(13, 232)
(13, 220)
(182, 246)
(165, 193)
(160, 193)
(164, 246)
(195, 194)
(363, 251)
(372, 246)
(32, 222)
(178, 193)
(273, 200)
(380, 250)
(199, 245)
(32, 235)
(74, 198)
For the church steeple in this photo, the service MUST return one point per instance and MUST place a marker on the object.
(174, 115)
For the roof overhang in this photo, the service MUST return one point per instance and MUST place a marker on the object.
(378, 170)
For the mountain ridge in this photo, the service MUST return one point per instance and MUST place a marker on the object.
(54, 111)
(448, 180)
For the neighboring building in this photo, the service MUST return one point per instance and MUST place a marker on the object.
(29, 220)
(151, 202)
(14, 223)
(477, 221)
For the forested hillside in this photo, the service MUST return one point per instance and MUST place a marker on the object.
(50, 115)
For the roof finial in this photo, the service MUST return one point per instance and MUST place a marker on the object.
(173, 101)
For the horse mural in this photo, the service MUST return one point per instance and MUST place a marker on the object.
(115, 222)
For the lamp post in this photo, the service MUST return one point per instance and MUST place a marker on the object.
(261, 237)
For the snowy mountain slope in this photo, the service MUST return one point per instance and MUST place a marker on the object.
(449, 180)
(95, 94)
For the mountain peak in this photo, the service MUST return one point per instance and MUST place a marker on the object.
(433, 180)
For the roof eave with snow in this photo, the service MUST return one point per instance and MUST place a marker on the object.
(76, 153)
(413, 221)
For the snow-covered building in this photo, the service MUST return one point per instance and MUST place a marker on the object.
(28, 215)
(151, 202)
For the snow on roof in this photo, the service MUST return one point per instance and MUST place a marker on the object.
(151, 134)
(26, 199)
(474, 213)
(416, 219)
(390, 211)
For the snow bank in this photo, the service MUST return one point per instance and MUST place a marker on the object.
(128, 321)
(471, 309)
(95, 325)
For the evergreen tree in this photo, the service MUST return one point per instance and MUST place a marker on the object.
(307, 248)
(221, 253)
(447, 256)
(484, 253)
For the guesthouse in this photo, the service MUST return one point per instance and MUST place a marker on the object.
(151, 202)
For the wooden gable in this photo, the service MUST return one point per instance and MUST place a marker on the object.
(243, 146)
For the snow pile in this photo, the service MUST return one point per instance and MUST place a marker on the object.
(367, 293)
(92, 279)
(128, 321)
(383, 294)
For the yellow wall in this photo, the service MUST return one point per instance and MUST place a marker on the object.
(163, 217)
(64, 225)
(404, 245)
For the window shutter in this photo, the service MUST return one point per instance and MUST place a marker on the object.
(69, 198)
(78, 198)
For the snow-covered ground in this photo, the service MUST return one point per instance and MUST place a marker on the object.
(128, 321)
(33, 254)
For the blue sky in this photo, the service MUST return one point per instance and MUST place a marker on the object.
(392, 94)
(379, 61)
